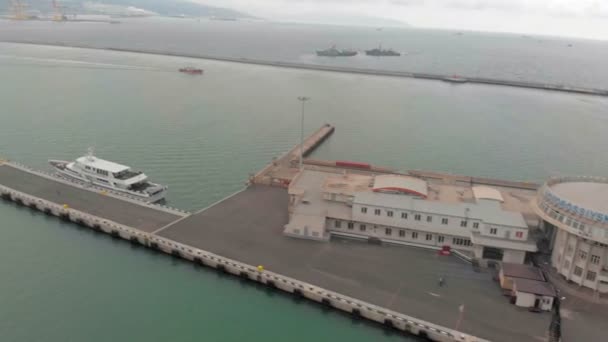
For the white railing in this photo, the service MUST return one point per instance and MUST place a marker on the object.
(545, 196)
(576, 225)
(564, 179)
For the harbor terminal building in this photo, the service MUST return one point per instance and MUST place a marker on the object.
(479, 222)
(574, 211)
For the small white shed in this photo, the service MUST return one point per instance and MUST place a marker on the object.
(533, 294)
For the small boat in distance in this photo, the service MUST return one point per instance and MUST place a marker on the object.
(112, 176)
(333, 52)
(379, 52)
(191, 71)
(455, 79)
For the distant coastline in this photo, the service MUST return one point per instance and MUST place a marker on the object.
(457, 79)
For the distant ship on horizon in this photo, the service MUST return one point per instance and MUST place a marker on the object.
(381, 52)
(333, 52)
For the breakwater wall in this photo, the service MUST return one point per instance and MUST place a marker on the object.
(343, 69)
(355, 307)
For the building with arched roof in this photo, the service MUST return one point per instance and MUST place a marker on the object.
(574, 211)
(401, 209)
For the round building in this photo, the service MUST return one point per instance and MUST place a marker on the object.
(575, 211)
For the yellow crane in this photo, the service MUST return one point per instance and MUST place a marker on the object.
(57, 12)
(17, 8)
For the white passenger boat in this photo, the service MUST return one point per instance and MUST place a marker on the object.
(116, 177)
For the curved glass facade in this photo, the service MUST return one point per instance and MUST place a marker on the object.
(580, 245)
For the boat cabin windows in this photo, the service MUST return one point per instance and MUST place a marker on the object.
(102, 172)
(97, 171)
(126, 174)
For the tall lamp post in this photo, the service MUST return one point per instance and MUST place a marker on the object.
(302, 99)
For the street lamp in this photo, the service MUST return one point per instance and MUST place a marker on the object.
(302, 99)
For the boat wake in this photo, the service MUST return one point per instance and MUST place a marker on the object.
(59, 62)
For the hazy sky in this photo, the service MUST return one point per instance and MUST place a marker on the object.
(580, 18)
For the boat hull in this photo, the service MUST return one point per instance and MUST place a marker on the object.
(64, 172)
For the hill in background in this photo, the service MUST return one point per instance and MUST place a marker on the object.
(126, 7)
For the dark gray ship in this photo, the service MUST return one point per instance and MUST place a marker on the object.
(333, 52)
(381, 52)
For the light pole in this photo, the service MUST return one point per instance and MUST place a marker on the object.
(302, 99)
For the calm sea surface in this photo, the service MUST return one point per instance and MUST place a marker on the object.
(203, 135)
(516, 57)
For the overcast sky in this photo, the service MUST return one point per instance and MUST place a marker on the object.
(578, 18)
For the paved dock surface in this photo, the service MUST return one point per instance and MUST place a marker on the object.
(248, 227)
(114, 209)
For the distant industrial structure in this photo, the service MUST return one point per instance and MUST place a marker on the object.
(19, 10)
(58, 11)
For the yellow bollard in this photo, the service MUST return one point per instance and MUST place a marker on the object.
(260, 268)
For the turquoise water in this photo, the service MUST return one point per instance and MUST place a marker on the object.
(202, 136)
(64, 283)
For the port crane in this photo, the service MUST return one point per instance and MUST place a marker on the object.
(17, 8)
(57, 11)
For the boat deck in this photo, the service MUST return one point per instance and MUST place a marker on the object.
(248, 227)
(140, 216)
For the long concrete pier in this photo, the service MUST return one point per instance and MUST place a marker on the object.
(343, 69)
(175, 240)
(242, 235)
(282, 169)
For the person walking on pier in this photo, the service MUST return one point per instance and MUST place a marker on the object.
(441, 281)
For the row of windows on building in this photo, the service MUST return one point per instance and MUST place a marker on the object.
(494, 231)
(589, 276)
(561, 218)
(418, 217)
(595, 259)
(401, 233)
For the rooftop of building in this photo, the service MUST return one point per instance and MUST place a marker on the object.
(536, 287)
(522, 271)
(485, 192)
(309, 185)
(346, 184)
(590, 195)
(401, 184)
(447, 199)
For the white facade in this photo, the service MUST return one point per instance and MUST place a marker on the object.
(401, 218)
(580, 234)
(531, 300)
(481, 228)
